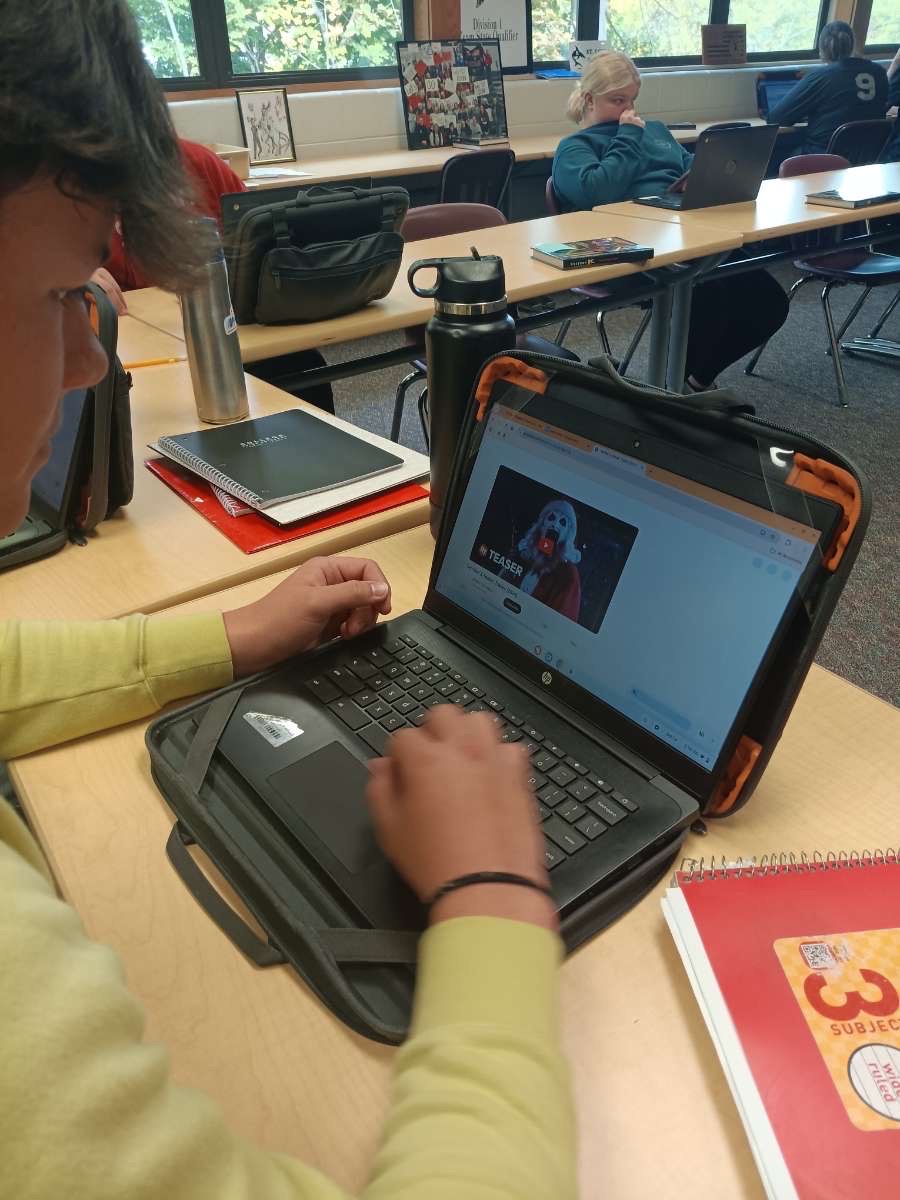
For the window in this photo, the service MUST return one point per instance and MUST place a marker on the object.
(778, 26)
(884, 24)
(312, 35)
(655, 28)
(167, 30)
(553, 24)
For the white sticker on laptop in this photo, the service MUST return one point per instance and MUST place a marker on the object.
(276, 730)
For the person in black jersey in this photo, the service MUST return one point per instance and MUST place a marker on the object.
(892, 150)
(845, 89)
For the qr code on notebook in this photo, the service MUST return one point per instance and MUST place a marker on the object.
(818, 955)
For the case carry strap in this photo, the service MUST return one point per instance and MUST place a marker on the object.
(372, 947)
(238, 932)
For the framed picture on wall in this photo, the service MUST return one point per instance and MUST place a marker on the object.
(266, 125)
(452, 93)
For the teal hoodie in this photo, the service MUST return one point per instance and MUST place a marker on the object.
(610, 162)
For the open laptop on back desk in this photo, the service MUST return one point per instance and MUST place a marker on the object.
(729, 166)
(611, 613)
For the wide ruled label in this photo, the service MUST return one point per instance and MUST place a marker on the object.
(848, 989)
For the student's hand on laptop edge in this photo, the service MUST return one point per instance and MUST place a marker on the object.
(679, 184)
(323, 599)
(451, 799)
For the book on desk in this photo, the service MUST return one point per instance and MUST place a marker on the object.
(592, 252)
(796, 968)
(833, 198)
(295, 464)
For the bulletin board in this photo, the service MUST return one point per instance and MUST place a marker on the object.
(451, 89)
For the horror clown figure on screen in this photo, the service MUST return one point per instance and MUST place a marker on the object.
(550, 555)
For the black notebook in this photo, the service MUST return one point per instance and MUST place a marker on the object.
(267, 460)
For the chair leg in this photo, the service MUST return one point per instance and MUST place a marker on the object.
(562, 333)
(835, 353)
(884, 316)
(635, 341)
(424, 417)
(757, 354)
(402, 388)
(603, 335)
(853, 313)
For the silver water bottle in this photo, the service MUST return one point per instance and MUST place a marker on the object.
(213, 349)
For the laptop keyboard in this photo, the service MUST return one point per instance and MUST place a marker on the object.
(389, 687)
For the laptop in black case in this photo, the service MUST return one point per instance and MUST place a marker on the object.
(604, 598)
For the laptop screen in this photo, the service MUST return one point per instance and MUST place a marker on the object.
(774, 91)
(52, 484)
(657, 595)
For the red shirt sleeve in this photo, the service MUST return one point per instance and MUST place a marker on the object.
(211, 177)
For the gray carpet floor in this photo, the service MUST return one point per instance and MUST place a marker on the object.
(794, 387)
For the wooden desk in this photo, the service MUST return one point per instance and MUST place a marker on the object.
(140, 344)
(384, 164)
(157, 551)
(525, 277)
(781, 206)
(655, 1114)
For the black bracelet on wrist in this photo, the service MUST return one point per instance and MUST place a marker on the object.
(477, 877)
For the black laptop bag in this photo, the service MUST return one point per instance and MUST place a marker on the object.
(329, 251)
(366, 976)
(104, 472)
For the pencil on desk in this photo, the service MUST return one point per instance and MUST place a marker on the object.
(150, 362)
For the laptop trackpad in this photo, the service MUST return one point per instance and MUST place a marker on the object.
(326, 790)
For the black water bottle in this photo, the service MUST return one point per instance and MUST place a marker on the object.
(470, 323)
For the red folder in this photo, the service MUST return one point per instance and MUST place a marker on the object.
(253, 531)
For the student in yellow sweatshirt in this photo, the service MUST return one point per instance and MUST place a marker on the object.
(481, 1107)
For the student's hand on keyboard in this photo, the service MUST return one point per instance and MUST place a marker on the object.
(323, 599)
(450, 799)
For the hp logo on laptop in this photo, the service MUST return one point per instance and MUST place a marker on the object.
(546, 678)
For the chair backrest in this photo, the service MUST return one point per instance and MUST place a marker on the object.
(551, 200)
(808, 164)
(477, 177)
(861, 141)
(436, 220)
(728, 125)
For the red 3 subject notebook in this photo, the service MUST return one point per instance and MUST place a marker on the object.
(796, 967)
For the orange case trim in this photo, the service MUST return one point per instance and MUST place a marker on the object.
(513, 370)
(746, 752)
(821, 478)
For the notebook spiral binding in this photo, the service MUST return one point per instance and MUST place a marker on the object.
(700, 870)
(219, 479)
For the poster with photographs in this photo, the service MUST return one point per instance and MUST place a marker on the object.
(266, 125)
(452, 91)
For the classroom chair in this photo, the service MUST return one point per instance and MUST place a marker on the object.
(438, 220)
(599, 291)
(477, 177)
(866, 268)
(861, 142)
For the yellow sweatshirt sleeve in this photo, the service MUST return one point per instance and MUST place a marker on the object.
(62, 679)
(481, 1105)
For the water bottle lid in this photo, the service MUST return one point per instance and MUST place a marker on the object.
(476, 282)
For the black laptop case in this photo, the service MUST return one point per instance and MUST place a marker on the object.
(103, 473)
(365, 975)
(329, 251)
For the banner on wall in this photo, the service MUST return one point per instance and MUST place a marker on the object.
(507, 20)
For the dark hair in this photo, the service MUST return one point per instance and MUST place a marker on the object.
(836, 41)
(79, 103)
